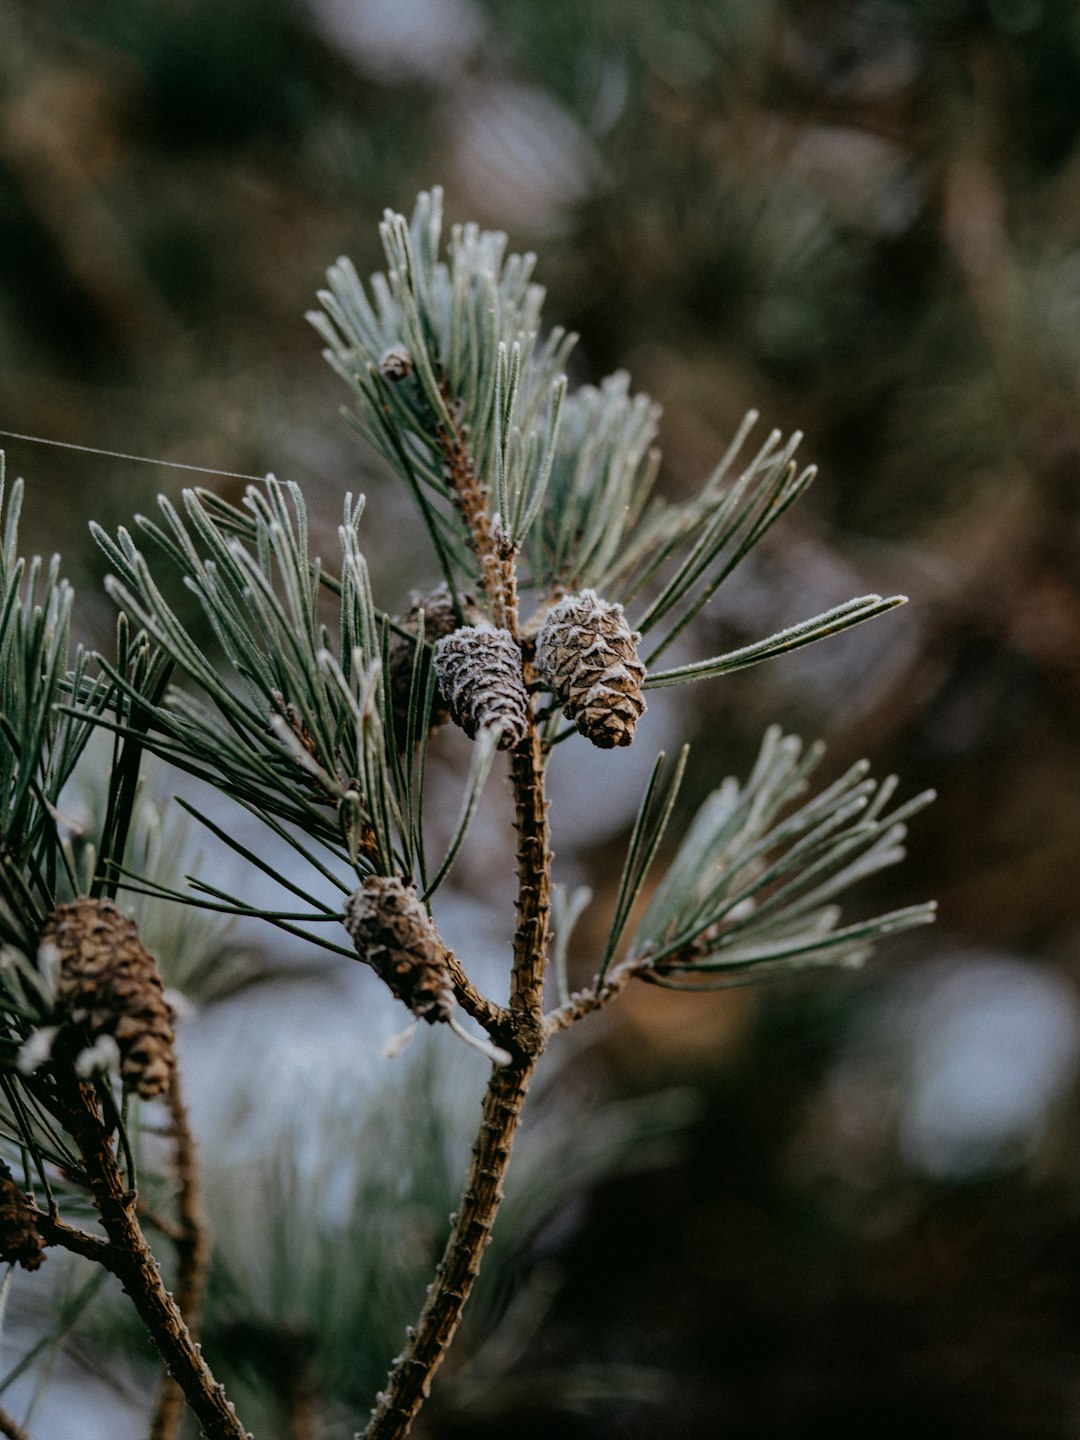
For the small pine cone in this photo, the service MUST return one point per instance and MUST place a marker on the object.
(110, 983)
(396, 363)
(394, 934)
(440, 619)
(479, 674)
(587, 655)
(20, 1240)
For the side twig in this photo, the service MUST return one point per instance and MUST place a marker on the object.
(490, 1016)
(192, 1253)
(584, 1002)
(55, 1232)
(11, 1427)
(131, 1260)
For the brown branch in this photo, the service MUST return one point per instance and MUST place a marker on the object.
(522, 1032)
(11, 1427)
(534, 880)
(80, 1242)
(131, 1260)
(410, 1380)
(193, 1257)
(471, 496)
(485, 1012)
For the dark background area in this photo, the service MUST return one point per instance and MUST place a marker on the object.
(864, 221)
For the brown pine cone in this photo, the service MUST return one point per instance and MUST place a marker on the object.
(394, 934)
(110, 983)
(587, 655)
(440, 619)
(20, 1241)
(479, 674)
(396, 363)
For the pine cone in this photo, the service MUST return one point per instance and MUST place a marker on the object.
(396, 363)
(19, 1238)
(394, 934)
(479, 674)
(110, 983)
(587, 655)
(440, 619)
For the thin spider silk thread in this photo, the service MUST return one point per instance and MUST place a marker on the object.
(120, 455)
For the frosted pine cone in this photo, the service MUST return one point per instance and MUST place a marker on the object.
(440, 619)
(587, 655)
(479, 674)
(19, 1238)
(394, 934)
(110, 983)
(396, 363)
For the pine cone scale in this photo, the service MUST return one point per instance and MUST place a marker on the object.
(440, 619)
(480, 678)
(20, 1239)
(110, 983)
(394, 934)
(587, 656)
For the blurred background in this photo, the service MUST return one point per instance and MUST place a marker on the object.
(832, 1207)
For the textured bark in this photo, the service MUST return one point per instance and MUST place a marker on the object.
(584, 1002)
(534, 882)
(79, 1242)
(410, 1380)
(470, 494)
(192, 1254)
(521, 1030)
(130, 1259)
(490, 1016)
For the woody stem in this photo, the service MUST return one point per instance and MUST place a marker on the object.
(192, 1253)
(410, 1380)
(129, 1257)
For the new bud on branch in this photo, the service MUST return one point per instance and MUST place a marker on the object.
(587, 656)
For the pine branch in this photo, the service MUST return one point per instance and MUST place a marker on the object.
(55, 1231)
(130, 1259)
(11, 1427)
(410, 1380)
(522, 1034)
(192, 1253)
(323, 735)
(493, 1018)
(585, 1002)
(754, 884)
